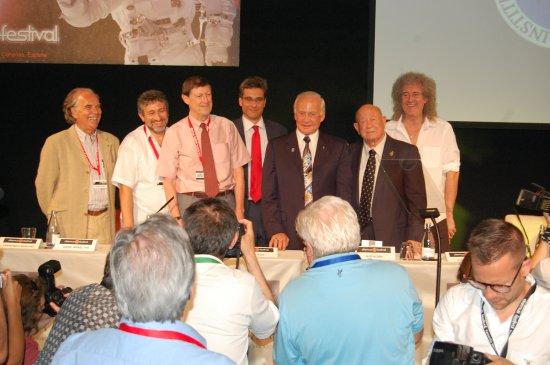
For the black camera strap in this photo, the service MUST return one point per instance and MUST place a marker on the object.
(513, 324)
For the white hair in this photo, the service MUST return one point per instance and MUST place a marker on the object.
(152, 268)
(310, 94)
(330, 225)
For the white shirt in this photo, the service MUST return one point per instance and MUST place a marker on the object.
(248, 131)
(136, 168)
(542, 272)
(227, 303)
(457, 319)
(379, 149)
(313, 139)
(439, 154)
(98, 198)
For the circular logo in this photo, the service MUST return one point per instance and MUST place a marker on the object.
(528, 18)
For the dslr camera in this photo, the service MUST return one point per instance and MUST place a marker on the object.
(448, 353)
(52, 293)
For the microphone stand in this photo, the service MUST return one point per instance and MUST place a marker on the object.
(432, 214)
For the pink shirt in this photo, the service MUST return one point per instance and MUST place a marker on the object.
(179, 156)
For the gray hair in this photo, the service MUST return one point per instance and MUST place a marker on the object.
(330, 225)
(152, 268)
(309, 94)
(70, 102)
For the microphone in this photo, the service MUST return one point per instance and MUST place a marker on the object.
(165, 204)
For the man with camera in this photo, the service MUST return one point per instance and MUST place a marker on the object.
(152, 270)
(501, 311)
(227, 303)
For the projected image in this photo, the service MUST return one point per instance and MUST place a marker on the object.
(132, 32)
(529, 18)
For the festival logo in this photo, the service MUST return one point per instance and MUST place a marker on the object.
(528, 18)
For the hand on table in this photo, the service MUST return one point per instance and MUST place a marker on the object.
(279, 240)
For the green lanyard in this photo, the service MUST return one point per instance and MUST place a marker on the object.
(206, 260)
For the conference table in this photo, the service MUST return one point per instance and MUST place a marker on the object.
(81, 268)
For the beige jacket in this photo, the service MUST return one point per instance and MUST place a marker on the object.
(63, 180)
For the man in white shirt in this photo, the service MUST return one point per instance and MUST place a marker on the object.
(140, 188)
(227, 303)
(501, 311)
(255, 132)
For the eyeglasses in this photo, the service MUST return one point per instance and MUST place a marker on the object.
(499, 288)
(251, 100)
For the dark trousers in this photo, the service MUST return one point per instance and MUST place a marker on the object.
(253, 212)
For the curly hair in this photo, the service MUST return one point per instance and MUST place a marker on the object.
(32, 292)
(428, 91)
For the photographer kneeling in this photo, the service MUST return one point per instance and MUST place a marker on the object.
(500, 311)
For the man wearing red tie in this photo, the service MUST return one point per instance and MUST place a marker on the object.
(202, 155)
(300, 168)
(256, 132)
(135, 175)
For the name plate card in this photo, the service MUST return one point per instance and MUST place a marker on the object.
(386, 253)
(371, 243)
(23, 243)
(267, 252)
(455, 256)
(75, 244)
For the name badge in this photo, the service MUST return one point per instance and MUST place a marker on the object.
(99, 183)
(199, 175)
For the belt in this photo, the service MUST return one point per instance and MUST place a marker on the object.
(202, 195)
(94, 213)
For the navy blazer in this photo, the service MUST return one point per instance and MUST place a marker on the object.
(283, 181)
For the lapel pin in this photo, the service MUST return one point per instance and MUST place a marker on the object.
(292, 149)
(392, 153)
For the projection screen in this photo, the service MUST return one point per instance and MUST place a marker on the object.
(490, 59)
(132, 32)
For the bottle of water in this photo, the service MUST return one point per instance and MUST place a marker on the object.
(428, 251)
(52, 235)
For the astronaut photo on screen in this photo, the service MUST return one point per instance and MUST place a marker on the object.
(163, 32)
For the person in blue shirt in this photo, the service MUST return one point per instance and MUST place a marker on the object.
(152, 269)
(344, 310)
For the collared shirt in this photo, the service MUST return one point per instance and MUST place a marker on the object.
(340, 314)
(439, 154)
(112, 346)
(136, 167)
(457, 319)
(379, 149)
(248, 131)
(179, 156)
(99, 195)
(314, 138)
(227, 303)
(542, 272)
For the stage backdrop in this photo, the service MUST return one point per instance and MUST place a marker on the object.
(157, 32)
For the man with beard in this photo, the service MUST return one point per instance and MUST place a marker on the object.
(141, 190)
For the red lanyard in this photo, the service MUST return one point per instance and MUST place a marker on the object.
(98, 168)
(197, 146)
(151, 143)
(167, 335)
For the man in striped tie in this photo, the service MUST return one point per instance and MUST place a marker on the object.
(300, 168)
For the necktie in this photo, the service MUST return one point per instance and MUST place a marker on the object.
(366, 190)
(307, 168)
(211, 187)
(256, 167)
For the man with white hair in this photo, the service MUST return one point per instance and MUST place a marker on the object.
(152, 270)
(344, 310)
(300, 168)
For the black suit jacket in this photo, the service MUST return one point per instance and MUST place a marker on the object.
(273, 130)
(283, 181)
(399, 192)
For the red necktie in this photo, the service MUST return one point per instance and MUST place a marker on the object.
(211, 187)
(256, 167)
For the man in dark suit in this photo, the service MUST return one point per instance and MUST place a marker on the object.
(255, 132)
(300, 168)
(388, 183)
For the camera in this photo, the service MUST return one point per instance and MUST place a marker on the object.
(53, 294)
(448, 353)
(236, 250)
(537, 199)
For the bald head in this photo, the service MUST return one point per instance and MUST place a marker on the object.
(370, 124)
